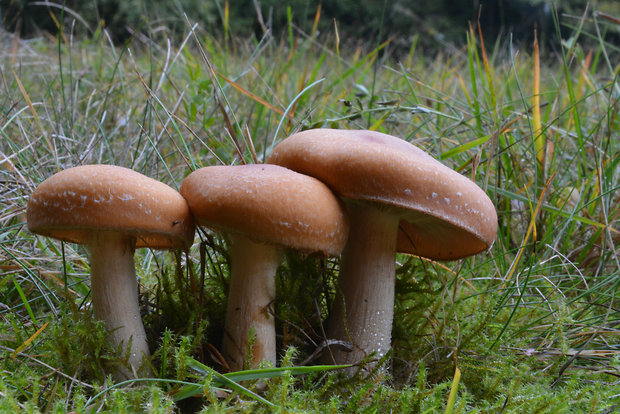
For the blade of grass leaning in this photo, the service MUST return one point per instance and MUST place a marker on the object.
(539, 137)
(222, 380)
(453, 390)
(464, 147)
(241, 389)
(231, 380)
(412, 92)
(254, 97)
(133, 381)
(20, 291)
(377, 124)
(194, 390)
(29, 340)
(276, 372)
(261, 373)
(288, 109)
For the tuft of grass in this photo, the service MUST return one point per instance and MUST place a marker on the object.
(532, 324)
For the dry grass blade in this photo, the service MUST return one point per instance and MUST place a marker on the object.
(255, 98)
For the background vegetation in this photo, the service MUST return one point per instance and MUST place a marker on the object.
(441, 22)
(532, 325)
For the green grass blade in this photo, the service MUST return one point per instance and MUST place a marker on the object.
(220, 379)
(276, 372)
(453, 390)
(288, 109)
(25, 302)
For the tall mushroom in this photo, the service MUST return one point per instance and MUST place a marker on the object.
(399, 199)
(113, 210)
(262, 209)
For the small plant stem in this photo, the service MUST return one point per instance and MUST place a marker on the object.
(115, 298)
(252, 290)
(364, 305)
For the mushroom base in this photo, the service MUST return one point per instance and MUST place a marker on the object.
(115, 299)
(249, 326)
(363, 309)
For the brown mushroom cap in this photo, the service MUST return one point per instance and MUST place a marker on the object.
(444, 215)
(73, 204)
(268, 203)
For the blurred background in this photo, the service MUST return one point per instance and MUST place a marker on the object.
(434, 24)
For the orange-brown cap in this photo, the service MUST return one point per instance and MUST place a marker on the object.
(75, 203)
(444, 215)
(268, 203)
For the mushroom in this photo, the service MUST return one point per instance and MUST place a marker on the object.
(262, 209)
(112, 211)
(399, 199)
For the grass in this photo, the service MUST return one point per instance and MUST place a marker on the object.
(532, 325)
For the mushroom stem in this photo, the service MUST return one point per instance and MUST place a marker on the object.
(364, 306)
(252, 291)
(115, 298)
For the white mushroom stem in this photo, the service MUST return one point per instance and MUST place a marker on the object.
(363, 310)
(252, 291)
(115, 298)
